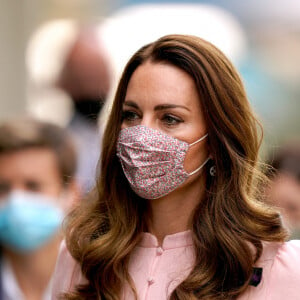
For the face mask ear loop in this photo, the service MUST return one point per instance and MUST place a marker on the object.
(198, 169)
(201, 139)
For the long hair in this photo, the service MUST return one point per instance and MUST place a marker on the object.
(229, 224)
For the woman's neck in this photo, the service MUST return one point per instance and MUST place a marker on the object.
(172, 213)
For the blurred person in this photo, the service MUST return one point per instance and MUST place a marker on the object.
(85, 78)
(284, 188)
(37, 188)
(178, 211)
(69, 79)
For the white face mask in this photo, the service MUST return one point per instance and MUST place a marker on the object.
(153, 161)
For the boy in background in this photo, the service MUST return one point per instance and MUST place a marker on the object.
(37, 188)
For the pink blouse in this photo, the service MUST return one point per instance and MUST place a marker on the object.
(156, 271)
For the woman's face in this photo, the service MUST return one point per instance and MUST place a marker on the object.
(164, 97)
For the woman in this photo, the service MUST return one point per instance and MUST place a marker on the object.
(177, 213)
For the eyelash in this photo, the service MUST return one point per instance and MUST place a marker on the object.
(129, 115)
(171, 120)
(168, 119)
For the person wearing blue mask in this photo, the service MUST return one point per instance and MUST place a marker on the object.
(37, 188)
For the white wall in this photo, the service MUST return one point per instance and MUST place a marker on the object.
(12, 70)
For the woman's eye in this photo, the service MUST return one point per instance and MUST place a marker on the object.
(171, 120)
(129, 115)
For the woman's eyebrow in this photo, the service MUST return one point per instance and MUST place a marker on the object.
(157, 107)
(130, 103)
(168, 106)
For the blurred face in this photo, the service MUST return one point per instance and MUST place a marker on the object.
(164, 97)
(32, 170)
(284, 193)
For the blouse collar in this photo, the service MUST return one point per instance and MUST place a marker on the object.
(176, 240)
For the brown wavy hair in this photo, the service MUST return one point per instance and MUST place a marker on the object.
(229, 222)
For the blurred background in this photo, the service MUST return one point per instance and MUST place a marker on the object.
(262, 37)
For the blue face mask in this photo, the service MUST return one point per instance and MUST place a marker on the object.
(28, 220)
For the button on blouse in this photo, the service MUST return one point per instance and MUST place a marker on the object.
(155, 269)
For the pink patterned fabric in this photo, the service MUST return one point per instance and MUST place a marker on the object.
(157, 269)
(152, 161)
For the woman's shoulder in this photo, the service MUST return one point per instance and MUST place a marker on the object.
(287, 260)
(281, 269)
(289, 250)
(67, 272)
(279, 273)
(274, 249)
(284, 255)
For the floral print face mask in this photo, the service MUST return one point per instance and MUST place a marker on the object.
(152, 161)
